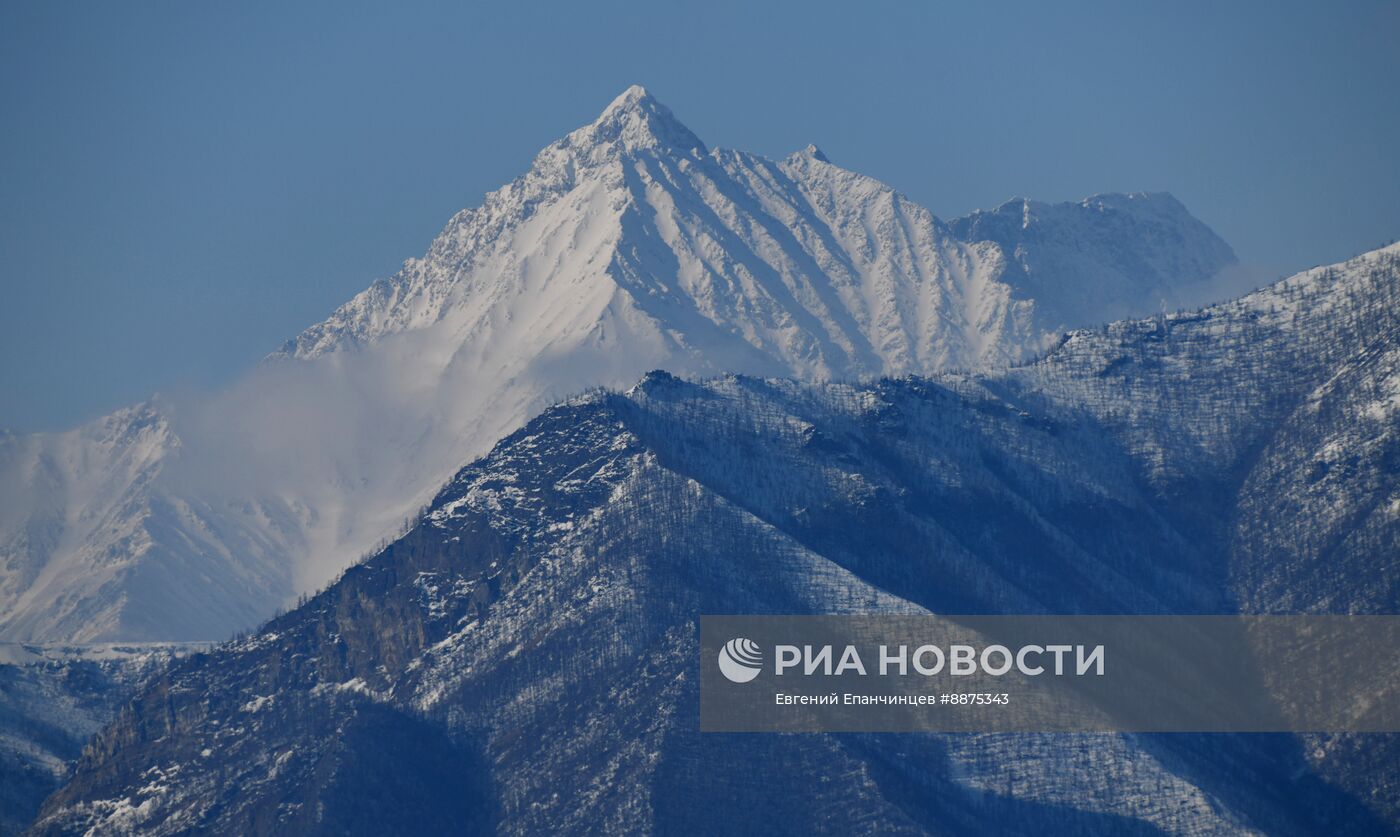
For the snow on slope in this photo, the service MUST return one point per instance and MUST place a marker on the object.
(535, 632)
(838, 272)
(93, 536)
(1152, 255)
(720, 257)
(628, 246)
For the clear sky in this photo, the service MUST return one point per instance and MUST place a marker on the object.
(185, 185)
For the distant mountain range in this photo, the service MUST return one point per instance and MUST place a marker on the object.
(525, 658)
(628, 246)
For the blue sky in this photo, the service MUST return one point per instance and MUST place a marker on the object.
(185, 185)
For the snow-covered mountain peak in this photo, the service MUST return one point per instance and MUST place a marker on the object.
(626, 246)
(865, 281)
(636, 121)
(1147, 252)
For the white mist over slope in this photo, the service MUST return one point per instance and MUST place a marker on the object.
(628, 246)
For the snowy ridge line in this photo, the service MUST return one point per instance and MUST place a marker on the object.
(629, 245)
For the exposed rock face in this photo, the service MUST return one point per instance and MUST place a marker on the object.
(50, 705)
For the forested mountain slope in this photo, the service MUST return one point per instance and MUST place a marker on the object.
(525, 658)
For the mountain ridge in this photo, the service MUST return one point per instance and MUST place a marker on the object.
(539, 618)
(628, 245)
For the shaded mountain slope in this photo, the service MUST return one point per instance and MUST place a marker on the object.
(534, 635)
